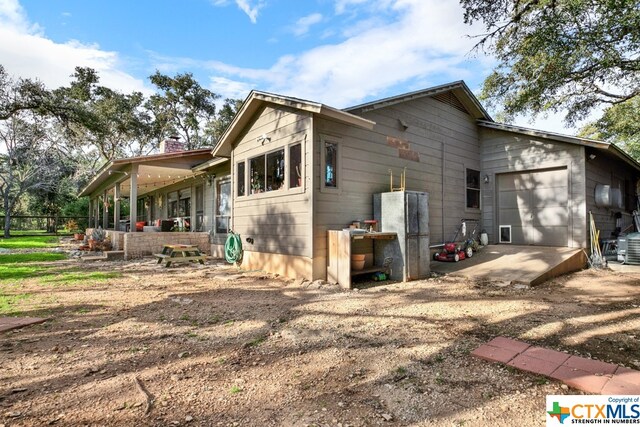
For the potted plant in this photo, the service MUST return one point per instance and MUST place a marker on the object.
(97, 239)
(72, 227)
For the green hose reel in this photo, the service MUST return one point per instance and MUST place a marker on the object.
(233, 248)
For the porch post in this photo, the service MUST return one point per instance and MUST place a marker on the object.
(96, 213)
(105, 210)
(90, 213)
(133, 198)
(116, 207)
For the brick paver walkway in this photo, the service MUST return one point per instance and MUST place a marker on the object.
(8, 323)
(581, 373)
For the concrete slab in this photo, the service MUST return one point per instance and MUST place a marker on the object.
(9, 323)
(618, 267)
(530, 265)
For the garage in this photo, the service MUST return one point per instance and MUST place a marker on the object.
(533, 207)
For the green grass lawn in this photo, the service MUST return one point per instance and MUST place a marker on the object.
(15, 268)
(31, 257)
(29, 242)
(30, 232)
(74, 277)
(8, 303)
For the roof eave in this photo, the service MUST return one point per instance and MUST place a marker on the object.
(585, 142)
(346, 117)
(469, 100)
(103, 172)
(209, 164)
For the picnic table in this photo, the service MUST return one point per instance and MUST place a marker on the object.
(179, 253)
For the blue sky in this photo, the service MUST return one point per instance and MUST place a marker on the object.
(339, 52)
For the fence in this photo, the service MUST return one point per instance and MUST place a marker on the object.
(43, 224)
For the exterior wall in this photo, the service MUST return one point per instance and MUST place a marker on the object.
(504, 152)
(275, 222)
(138, 245)
(608, 170)
(436, 147)
(285, 265)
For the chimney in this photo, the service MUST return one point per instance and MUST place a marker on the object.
(171, 145)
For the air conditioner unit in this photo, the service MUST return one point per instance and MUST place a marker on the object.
(629, 249)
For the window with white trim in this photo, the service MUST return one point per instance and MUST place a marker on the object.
(473, 189)
(278, 170)
(223, 205)
(330, 164)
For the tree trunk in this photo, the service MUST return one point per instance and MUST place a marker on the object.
(7, 216)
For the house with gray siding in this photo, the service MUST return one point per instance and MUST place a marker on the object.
(288, 170)
(525, 187)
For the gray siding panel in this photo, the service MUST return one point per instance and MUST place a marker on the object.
(367, 157)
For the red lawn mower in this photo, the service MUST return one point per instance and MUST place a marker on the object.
(454, 252)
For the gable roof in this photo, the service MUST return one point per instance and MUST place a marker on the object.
(459, 89)
(586, 142)
(257, 99)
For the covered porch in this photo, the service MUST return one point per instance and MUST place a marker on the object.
(144, 202)
(128, 194)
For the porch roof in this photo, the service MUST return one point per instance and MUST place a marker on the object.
(154, 171)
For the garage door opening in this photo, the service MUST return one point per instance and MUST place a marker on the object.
(535, 205)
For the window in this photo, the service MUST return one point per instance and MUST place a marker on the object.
(331, 164)
(473, 189)
(240, 181)
(223, 205)
(256, 175)
(200, 208)
(295, 166)
(184, 202)
(172, 204)
(143, 209)
(275, 170)
(267, 172)
(280, 169)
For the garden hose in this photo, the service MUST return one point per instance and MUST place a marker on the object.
(233, 248)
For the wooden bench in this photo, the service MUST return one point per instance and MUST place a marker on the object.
(180, 253)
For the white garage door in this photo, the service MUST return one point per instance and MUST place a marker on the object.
(534, 205)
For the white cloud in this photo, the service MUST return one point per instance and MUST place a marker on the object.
(12, 16)
(250, 10)
(27, 52)
(247, 6)
(303, 25)
(227, 88)
(425, 39)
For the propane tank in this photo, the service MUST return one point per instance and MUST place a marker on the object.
(484, 238)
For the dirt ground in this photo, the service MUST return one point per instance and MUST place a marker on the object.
(214, 346)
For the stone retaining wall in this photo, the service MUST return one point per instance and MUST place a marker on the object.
(137, 245)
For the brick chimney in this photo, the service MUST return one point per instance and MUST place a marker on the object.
(171, 145)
